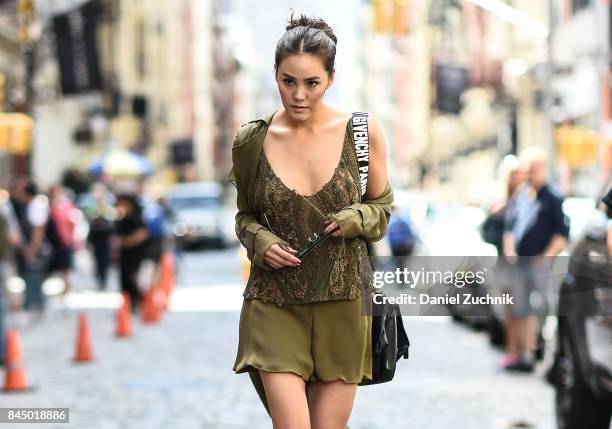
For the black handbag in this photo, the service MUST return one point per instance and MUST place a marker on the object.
(389, 339)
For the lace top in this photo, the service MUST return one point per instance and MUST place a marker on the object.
(338, 268)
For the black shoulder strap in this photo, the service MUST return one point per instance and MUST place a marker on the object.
(361, 141)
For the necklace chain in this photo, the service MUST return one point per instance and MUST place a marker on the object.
(311, 205)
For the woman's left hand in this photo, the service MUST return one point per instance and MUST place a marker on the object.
(333, 226)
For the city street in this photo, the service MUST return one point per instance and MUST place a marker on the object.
(468, 143)
(178, 373)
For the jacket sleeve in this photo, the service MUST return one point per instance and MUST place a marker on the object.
(368, 219)
(255, 238)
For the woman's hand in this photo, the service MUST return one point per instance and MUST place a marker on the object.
(278, 257)
(333, 226)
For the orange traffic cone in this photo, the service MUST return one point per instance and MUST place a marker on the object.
(124, 318)
(14, 380)
(161, 296)
(150, 306)
(167, 279)
(84, 350)
(160, 299)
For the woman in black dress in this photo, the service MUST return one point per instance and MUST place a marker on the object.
(133, 237)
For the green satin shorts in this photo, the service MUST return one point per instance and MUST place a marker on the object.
(321, 341)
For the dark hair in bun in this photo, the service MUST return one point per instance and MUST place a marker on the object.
(307, 35)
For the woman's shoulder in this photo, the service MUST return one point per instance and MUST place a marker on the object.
(374, 128)
(375, 132)
(373, 122)
(341, 116)
(248, 129)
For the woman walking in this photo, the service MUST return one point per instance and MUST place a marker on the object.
(302, 335)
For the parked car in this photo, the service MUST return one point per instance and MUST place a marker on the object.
(200, 215)
(582, 365)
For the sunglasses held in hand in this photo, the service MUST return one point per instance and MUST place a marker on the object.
(318, 238)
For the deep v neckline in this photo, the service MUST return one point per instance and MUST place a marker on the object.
(331, 179)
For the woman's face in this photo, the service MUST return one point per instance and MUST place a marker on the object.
(302, 81)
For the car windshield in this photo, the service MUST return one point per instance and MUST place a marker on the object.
(182, 203)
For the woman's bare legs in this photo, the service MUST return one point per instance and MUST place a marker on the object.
(286, 395)
(327, 406)
(330, 403)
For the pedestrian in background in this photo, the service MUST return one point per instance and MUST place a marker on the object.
(302, 334)
(535, 232)
(34, 252)
(172, 243)
(132, 241)
(607, 200)
(513, 175)
(402, 236)
(101, 216)
(60, 234)
(154, 217)
(9, 239)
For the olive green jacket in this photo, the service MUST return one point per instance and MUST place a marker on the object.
(368, 219)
